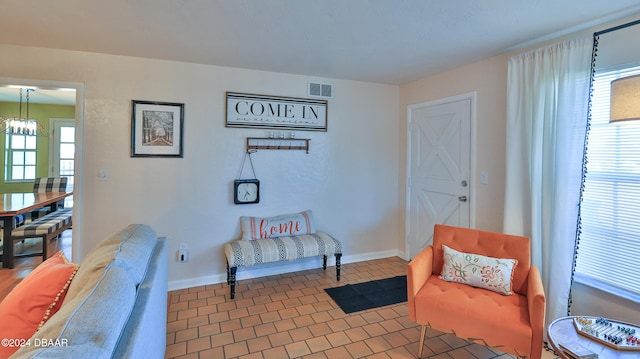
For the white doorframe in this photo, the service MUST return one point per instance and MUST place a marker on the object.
(53, 123)
(78, 228)
(472, 160)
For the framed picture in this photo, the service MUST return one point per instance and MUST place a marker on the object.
(156, 129)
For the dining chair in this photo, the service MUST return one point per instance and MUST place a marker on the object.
(48, 184)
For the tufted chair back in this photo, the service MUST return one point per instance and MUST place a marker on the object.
(487, 244)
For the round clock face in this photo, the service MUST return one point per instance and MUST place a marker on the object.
(247, 192)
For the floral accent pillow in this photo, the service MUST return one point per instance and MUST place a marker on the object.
(490, 273)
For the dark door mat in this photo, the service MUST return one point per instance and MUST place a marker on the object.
(377, 293)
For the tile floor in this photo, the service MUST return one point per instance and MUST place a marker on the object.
(290, 316)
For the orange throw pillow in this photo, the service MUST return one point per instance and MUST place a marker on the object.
(33, 301)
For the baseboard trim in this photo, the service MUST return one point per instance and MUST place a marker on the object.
(267, 269)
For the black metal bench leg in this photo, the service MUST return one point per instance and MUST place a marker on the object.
(324, 262)
(232, 281)
(45, 244)
(338, 256)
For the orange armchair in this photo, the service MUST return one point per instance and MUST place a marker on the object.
(510, 323)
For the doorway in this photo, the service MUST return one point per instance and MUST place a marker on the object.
(62, 148)
(439, 168)
(76, 91)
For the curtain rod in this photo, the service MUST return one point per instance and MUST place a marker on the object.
(598, 33)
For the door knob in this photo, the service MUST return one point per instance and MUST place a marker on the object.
(462, 198)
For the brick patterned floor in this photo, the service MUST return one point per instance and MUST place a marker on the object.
(291, 316)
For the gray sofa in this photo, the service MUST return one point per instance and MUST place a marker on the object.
(116, 305)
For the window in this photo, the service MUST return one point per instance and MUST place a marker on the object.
(610, 211)
(62, 152)
(20, 158)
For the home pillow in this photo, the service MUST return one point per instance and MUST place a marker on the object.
(278, 226)
(34, 300)
(495, 274)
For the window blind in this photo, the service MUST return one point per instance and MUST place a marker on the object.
(609, 249)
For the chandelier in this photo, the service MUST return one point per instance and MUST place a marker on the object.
(20, 125)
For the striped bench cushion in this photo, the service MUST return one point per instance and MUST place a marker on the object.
(45, 225)
(248, 253)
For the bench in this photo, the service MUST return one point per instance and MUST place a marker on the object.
(46, 227)
(249, 252)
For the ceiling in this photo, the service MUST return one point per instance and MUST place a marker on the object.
(381, 41)
(38, 95)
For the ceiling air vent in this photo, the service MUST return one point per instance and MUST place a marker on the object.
(320, 90)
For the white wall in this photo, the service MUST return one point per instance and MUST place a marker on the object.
(349, 178)
(588, 300)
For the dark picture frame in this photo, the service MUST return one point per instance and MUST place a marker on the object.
(157, 129)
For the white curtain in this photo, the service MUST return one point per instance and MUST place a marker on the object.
(547, 107)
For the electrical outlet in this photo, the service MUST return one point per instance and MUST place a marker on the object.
(183, 253)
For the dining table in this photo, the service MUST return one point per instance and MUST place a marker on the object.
(14, 204)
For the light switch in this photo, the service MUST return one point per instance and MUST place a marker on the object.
(484, 177)
(103, 174)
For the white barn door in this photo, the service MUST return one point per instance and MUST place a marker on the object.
(440, 180)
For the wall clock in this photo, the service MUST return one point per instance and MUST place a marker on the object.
(246, 191)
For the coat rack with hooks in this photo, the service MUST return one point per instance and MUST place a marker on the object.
(258, 143)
